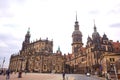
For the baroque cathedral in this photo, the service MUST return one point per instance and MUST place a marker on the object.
(99, 56)
(37, 56)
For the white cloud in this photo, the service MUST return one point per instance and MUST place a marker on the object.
(2, 44)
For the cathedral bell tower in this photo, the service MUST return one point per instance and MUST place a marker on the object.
(76, 38)
(27, 36)
(27, 39)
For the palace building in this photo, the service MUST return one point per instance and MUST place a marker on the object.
(99, 56)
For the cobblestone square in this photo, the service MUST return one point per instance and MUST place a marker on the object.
(40, 76)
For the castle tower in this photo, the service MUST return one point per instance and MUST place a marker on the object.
(95, 35)
(76, 38)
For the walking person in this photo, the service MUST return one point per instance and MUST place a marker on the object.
(8, 74)
(63, 75)
(20, 74)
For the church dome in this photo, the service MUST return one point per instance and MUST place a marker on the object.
(89, 39)
(77, 32)
(105, 37)
(95, 35)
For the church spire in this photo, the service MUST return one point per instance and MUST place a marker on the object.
(95, 34)
(27, 36)
(76, 16)
(27, 39)
(95, 29)
(76, 23)
(28, 32)
(59, 51)
(58, 48)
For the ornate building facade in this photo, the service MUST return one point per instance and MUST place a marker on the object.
(37, 56)
(100, 50)
(99, 56)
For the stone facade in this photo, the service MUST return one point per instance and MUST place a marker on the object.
(99, 56)
(92, 58)
(100, 49)
(37, 56)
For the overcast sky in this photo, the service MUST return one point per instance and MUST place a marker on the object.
(55, 19)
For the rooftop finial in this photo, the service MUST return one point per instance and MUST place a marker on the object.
(76, 16)
(94, 22)
(94, 26)
(28, 30)
(58, 48)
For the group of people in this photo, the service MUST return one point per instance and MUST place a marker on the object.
(107, 75)
(8, 72)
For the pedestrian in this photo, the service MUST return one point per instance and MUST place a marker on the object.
(19, 74)
(63, 75)
(1, 71)
(8, 74)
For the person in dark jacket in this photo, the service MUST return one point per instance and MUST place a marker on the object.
(8, 74)
(63, 75)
